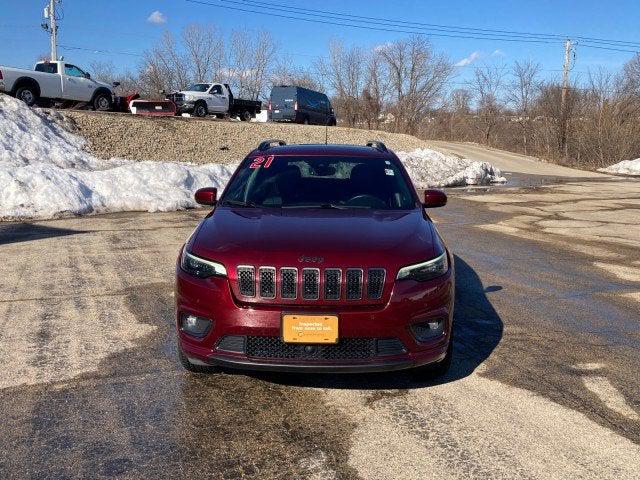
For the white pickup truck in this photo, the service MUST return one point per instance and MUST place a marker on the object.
(56, 81)
(201, 99)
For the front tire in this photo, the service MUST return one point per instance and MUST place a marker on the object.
(200, 110)
(28, 95)
(102, 102)
(187, 365)
(245, 116)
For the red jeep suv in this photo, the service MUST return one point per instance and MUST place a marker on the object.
(316, 258)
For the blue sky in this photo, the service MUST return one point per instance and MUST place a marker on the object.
(124, 26)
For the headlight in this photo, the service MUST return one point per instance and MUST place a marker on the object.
(421, 272)
(199, 267)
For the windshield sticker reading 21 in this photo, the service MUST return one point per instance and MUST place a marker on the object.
(260, 162)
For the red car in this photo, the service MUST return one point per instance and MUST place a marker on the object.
(316, 258)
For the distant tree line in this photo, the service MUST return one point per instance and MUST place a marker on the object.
(405, 86)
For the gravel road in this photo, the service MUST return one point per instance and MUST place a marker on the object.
(544, 383)
(207, 140)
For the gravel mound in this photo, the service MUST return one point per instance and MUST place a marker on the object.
(206, 140)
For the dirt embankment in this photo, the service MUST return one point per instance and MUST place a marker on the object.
(207, 140)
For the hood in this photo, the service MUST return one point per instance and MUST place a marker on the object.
(103, 84)
(316, 238)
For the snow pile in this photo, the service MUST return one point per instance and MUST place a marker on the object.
(625, 167)
(261, 117)
(44, 172)
(430, 168)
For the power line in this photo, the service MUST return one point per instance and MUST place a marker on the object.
(582, 44)
(95, 50)
(487, 34)
(362, 27)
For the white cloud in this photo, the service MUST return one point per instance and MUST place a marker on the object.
(498, 53)
(157, 18)
(468, 60)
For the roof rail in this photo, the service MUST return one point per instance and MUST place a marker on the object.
(378, 145)
(267, 144)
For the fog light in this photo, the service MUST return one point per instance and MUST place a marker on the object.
(196, 326)
(428, 330)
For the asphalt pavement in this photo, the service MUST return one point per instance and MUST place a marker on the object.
(544, 381)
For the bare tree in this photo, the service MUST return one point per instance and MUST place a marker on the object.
(376, 92)
(204, 46)
(487, 84)
(522, 94)
(418, 77)
(249, 60)
(165, 67)
(285, 72)
(343, 72)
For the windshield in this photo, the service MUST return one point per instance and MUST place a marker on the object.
(198, 87)
(319, 182)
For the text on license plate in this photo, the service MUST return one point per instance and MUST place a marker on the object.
(309, 328)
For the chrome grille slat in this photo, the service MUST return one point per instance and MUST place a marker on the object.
(375, 283)
(267, 279)
(246, 280)
(311, 283)
(332, 283)
(354, 283)
(289, 283)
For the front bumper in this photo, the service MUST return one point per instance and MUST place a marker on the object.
(184, 106)
(410, 302)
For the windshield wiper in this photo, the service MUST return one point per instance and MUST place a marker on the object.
(239, 203)
(326, 205)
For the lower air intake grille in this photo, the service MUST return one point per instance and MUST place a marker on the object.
(232, 343)
(390, 346)
(345, 349)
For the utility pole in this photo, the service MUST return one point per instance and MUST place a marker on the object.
(52, 28)
(564, 114)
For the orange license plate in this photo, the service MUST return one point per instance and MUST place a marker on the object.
(310, 328)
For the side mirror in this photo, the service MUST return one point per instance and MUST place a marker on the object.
(434, 198)
(207, 196)
(116, 84)
(87, 75)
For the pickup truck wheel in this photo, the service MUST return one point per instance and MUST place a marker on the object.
(200, 110)
(28, 95)
(102, 102)
(245, 116)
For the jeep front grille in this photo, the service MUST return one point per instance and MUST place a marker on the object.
(310, 284)
(289, 283)
(354, 284)
(375, 284)
(332, 277)
(247, 281)
(267, 282)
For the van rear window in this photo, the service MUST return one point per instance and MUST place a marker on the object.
(47, 67)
